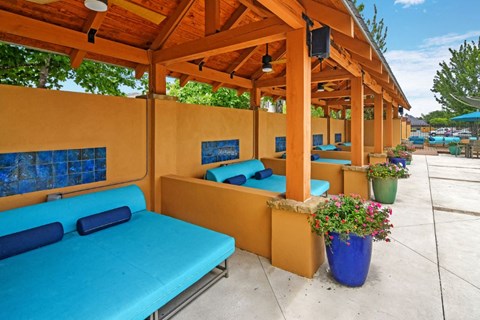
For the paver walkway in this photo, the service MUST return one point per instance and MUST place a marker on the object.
(431, 269)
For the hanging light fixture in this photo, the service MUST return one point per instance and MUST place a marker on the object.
(266, 62)
(347, 99)
(96, 5)
(320, 87)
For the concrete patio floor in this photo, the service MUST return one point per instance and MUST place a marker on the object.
(430, 270)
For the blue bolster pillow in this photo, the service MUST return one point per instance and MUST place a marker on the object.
(26, 240)
(314, 157)
(237, 180)
(103, 220)
(262, 174)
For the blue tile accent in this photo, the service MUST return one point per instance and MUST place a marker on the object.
(23, 172)
(74, 155)
(280, 144)
(338, 137)
(60, 156)
(60, 168)
(44, 157)
(8, 159)
(317, 140)
(218, 151)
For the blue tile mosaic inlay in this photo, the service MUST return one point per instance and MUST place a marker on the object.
(338, 137)
(24, 172)
(217, 151)
(317, 140)
(280, 144)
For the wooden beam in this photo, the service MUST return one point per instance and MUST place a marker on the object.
(94, 21)
(212, 17)
(275, 92)
(38, 30)
(332, 94)
(345, 62)
(372, 83)
(290, 11)
(239, 62)
(184, 80)
(226, 41)
(336, 19)
(324, 76)
(256, 8)
(209, 74)
(359, 47)
(357, 122)
(298, 117)
(375, 65)
(171, 23)
(235, 18)
(378, 124)
(382, 76)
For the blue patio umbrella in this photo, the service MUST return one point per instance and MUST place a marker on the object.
(468, 117)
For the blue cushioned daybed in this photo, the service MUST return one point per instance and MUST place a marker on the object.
(126, 271)
(333, 161)
(327, 147)
(274, 183)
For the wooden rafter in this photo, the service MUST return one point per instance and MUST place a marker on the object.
(345, 62)
(258, 9)
(373, 64)
(333, 94)
(227, 41)
(337, 20)
(244, 56)
(290, 11)
(354, 45)
(42, 31)
(94, 21)
(212, 17)
(324, 76)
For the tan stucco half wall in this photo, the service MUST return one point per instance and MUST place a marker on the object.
(42, 120)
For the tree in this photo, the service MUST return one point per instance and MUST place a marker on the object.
(459, 77)
(437, 114)
(32, 68)
(376, 26)
(201, 93)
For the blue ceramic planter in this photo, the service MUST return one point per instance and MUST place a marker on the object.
(349, 264)
(397, 161)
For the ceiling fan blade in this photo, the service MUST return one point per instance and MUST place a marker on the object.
(140, 11)
(329, 89)
(42, 1)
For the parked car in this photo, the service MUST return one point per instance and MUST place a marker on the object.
(440, 131)
(464, 133)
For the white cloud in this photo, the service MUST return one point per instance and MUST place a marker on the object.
(408, 3)
(415, 69)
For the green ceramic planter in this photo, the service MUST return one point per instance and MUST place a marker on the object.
(409, 162)
(455, 150)
(385, 190)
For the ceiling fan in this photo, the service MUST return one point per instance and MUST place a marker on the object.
(325, 86)
(102, 5)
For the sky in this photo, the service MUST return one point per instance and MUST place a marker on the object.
(420, 32)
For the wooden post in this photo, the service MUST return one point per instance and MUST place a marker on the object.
(344, 113)
(255, 99)
(357, 131)
(157, 79)
(395, 111)
(378, 123)
(212, 17)
(389, 126)
(298, 116)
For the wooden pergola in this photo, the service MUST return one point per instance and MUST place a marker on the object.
(221, 42)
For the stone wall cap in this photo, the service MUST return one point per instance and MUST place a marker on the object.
(378, 155)
(310, 206)
(355, 168)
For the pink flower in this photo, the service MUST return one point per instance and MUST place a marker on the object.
(338, 204)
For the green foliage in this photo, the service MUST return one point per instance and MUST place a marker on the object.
(31, 68)
(201, 93)
(368, 114)
(387, 170)
(436, 114)
(351, 215)
(375, 25)
(459, 77)
(439, 122)
(317, 112)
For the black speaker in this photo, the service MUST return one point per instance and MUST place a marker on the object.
(400, 110)
(321, 43)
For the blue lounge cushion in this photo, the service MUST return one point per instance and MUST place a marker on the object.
(314, 157)
(328, 147)
(262, 174)
(30, 239)
(277, 183)
(103, 220)
(247, 168)
(333, 161)
(237, 180)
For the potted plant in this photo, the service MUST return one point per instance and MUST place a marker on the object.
(396, 156)
(408, 150)
(454, 148)
(348, 225)
(384, 178)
